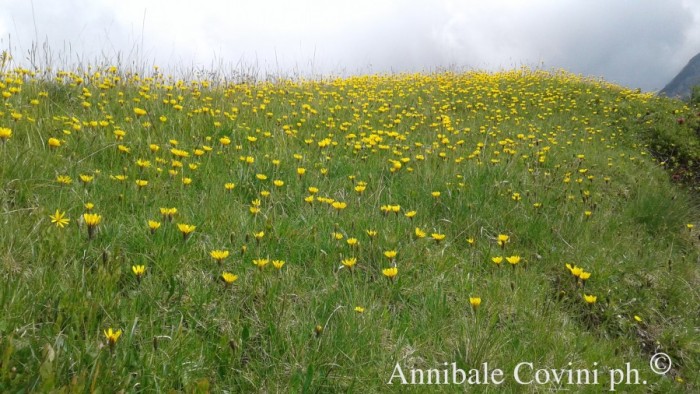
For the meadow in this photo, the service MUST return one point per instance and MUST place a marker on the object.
(309, 235)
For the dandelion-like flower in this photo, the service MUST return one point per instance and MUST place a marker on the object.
(260, 263)
(153, 226)
(228, 277)
(390, 272)
(278, 264)
(219, 255)
(92, 220)
(112, 337)
(437, 237)
(590, 299)
(339, 206)
(59, 219)
(139, 271)
(513, 260)
(186, 229)
(349, 262)
(64, 179)
(502, 239)
(54, 142)
(575, 271)
(475, 302)
(5, 134)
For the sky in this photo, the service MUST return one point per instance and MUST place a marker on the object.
(636, 43)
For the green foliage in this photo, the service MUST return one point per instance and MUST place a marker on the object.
(567, 168)
(695, 95)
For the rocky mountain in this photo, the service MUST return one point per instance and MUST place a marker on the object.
(682, 85)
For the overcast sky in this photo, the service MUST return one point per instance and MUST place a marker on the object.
(637, 43)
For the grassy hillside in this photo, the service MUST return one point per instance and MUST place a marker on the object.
(419, 220)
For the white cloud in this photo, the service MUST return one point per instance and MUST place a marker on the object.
(640, 43)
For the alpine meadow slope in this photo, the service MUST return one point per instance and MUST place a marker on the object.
(311, 235)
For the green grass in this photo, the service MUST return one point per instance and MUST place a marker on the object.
(493, 145)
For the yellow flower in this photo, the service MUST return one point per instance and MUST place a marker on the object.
(502, 239)
(112, 336)
(259, 235)
(437, 237)
(390, 254)
(349, 262)
(689, 226)
(575, 271)
(141, 183)
(337, 236)
(139, 111)
(359, 309)
(419, 233)
(516, 196)
(584, 275)
(224, 140)
(261, 177)
(5, 134)
(86, 178)
(54, 142)
(352, 242)
(89, 206)
(260, 263)
(301, 171)
(390, 272)
(229, 186)
(471, 241)
(339, 206)
(278, 264)
(64, 179)
(186, 229)
(371, 233)
(228, 277)
(360, 188)
(138, 270)
(278, 183)
(219, 255)
(92, 219)
(590, 299)
(153, 226)
(59, 219)
(497, 260)
(313, 190)
(168, 213)
(513, 260)
(638, 319)
(475, 302)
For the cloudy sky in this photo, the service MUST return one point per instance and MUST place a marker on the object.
(637, 43)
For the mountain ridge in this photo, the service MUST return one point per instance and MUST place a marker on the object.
(681, 86)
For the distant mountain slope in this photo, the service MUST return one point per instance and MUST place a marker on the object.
(682, 85)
